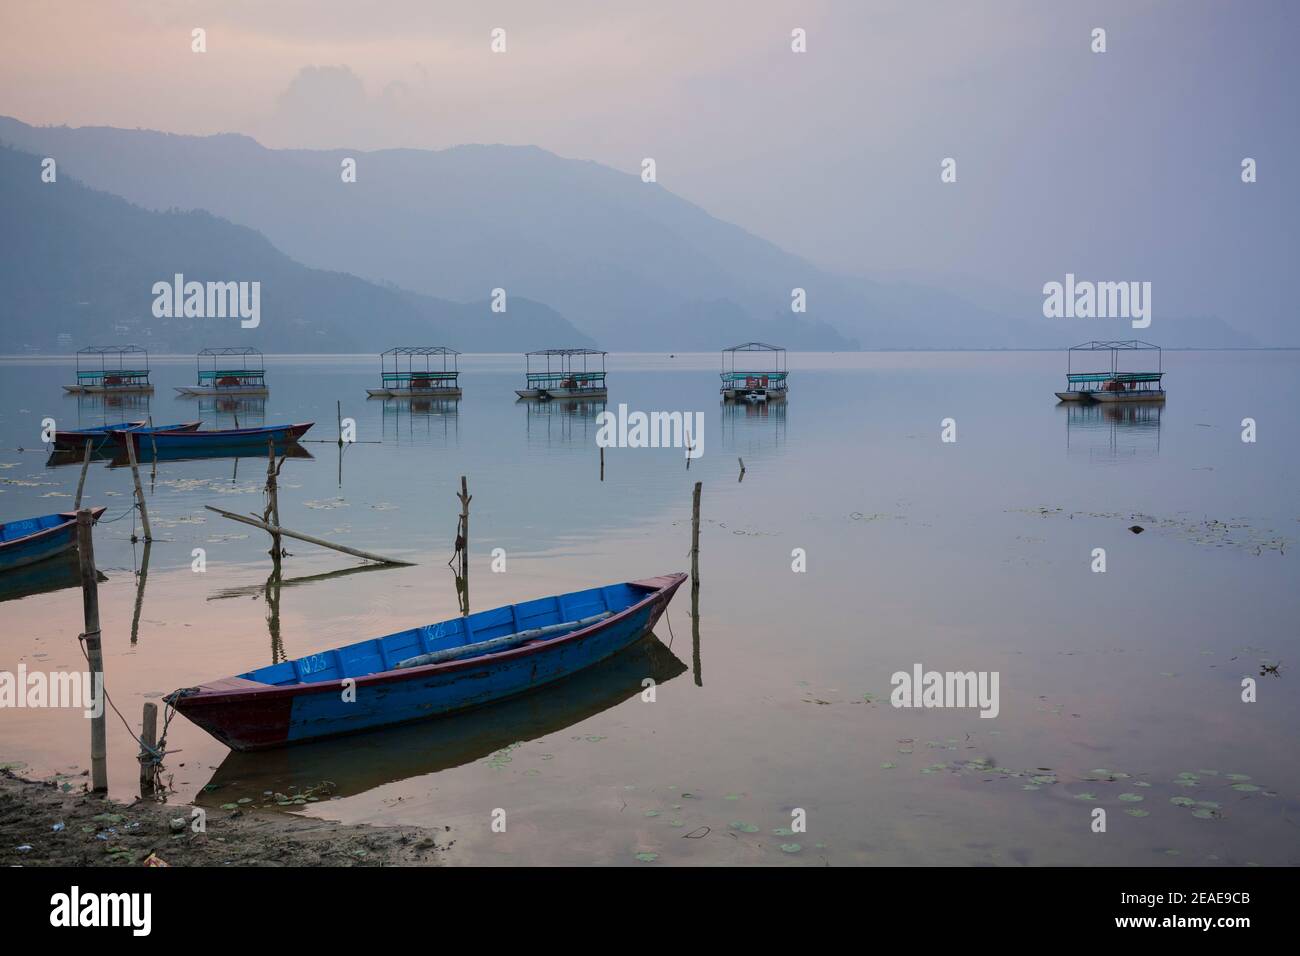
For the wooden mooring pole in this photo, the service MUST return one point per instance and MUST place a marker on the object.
(602, 462)
(139, 491)
(273, 502)
(149, 741)
(85, 466)
(462, 546)
(695, 584)
(94, 649)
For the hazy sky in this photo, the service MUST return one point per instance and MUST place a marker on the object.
(1122, 165)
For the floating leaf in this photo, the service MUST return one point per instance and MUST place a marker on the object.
(1182, 801)
(782, 831)
(790, 848)
(1238, 776)
(1204, 814)
(1245, 787)
(647, 857)
(1132, 797)
(1137, 812)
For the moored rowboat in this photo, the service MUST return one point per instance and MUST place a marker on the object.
(77, 438)
(176, 440)
(426, 671)
(29, 540)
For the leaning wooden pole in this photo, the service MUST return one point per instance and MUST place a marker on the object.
(310, 539)
(94, 649)
(139, 491)
(85, 467)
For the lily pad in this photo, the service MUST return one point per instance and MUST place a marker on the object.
(647, 857)
(1182, 801)
(790, 848)
(1132, 797)
(1245, 787)
(1137, 812)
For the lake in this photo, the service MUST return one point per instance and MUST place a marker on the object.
(1120, 690)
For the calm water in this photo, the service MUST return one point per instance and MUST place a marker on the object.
(973, 555)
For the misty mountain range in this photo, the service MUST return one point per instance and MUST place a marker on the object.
(411, 252)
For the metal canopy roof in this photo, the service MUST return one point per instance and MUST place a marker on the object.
(421, 350)
(1117, 345)
(231, 350)
(566, 352)
(755, 347)
(111, 350)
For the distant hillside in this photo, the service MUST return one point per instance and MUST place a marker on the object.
(629, 263)
(83, 262)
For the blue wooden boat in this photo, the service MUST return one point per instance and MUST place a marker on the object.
(29, 540)
(426, 671)
(178, 440)
(76, 438)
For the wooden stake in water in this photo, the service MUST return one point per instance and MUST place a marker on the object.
(602, 462)
(94, 650)
(85, 466)
(462, 546)
(149, 741)
(695, 584)
(340, 411)
(139, 492)
(272, 502)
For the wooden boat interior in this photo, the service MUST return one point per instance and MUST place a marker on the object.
(383, 653)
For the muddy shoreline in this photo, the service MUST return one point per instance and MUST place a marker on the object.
(41, 824)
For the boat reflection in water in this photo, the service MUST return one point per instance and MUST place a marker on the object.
(419, 416)
(358, 763)
(561, 420)
(145, 454)
(229, 411)
(1111, 433)
(753, 426)
(52, 574)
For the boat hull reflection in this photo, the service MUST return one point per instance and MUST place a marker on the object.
(358, 763)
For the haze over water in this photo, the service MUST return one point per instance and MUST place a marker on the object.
(974, 555)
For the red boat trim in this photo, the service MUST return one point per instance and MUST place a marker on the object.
(236, 689)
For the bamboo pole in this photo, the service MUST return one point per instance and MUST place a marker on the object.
(94, 649)
(695, 584)
(141, 580)
(85, 467)
(463, 541)
(139, 492)
(149, 741)
(602, 462)
(273, 502)
(310, 539)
